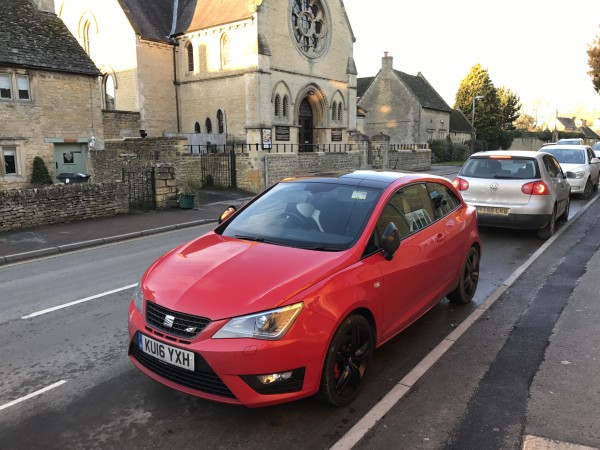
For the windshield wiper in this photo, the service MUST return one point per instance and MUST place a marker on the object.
(250, 238)
(321, 248)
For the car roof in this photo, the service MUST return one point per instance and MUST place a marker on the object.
(373, 178)
(516, 153)
(569, 147)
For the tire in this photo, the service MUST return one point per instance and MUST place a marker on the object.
(596, 185)
(587, 190)
(469, 278)
(347, 360)
(565, 215)
(550, 228)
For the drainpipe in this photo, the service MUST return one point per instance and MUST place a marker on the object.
(176, 84)
(266, 172)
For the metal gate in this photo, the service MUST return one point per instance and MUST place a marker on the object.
(218, 170)
(140, 181)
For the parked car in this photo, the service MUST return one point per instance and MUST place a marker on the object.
(572, 141)
(596, 149)
(290, 295)
(516, 189)
(581, 166)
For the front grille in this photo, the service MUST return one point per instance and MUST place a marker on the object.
(183, 325)
(203, 379)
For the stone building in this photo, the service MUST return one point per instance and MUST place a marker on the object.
(49, 94)
(461, 130)
(259, 72)
(404, 107)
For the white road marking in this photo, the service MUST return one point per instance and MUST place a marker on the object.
(27, 397)
(76, 302)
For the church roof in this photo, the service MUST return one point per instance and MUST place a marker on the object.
(425, 93)
(39, 40)
(459, 122)
(212, 13)
(156, 20)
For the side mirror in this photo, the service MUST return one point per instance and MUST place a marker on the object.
(390, 241)
(226, 214)
(595, 161)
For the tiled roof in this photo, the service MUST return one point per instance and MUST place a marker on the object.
(153, 19)
(459, 122)
(33, 39)
(568, 123)
(362, 84)
(420, 87)
(589, 133)
(211, 13)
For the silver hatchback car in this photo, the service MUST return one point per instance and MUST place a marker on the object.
(516, 189)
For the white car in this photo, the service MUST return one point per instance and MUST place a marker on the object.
(596, 149)
(580, 164)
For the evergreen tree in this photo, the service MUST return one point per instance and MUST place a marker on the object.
(594, 63)
(487, 110)
(510, 104)
(40, 173)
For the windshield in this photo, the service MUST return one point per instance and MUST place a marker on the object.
(313, 215)
(505, 168)
(567, 156)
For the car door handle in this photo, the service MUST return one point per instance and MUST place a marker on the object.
(440, 237)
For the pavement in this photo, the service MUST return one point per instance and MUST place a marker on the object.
(574, 343)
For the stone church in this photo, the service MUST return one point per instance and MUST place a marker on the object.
(250, 71)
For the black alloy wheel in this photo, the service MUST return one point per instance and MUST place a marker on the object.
(469, 278)
(347, 361)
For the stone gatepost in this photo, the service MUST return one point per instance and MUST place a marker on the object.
(165, 186)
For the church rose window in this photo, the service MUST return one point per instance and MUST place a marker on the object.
(309, 27)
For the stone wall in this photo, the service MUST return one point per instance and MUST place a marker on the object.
(120, 124)
(27, 208)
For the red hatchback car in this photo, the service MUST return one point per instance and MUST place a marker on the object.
(290, 295)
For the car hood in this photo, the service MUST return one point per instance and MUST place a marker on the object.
(219, 277)
(573, 167)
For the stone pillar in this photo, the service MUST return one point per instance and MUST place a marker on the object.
(165, 186)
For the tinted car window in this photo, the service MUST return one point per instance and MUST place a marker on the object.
(443, 199)
(552, 166)
(501, 168)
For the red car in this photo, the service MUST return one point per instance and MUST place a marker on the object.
(290, 295)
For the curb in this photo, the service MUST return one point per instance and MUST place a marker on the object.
(65, 248)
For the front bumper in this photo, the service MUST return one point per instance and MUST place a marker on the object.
(577, 185)
(225, 369)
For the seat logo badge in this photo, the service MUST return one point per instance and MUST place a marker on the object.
(169, 321)
(494, 186)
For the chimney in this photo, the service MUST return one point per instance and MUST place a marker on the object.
(387, 62)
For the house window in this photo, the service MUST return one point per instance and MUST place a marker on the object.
(5, 86)
(220, 124)
(277, 105)
(190, 56)
(334, 111)
(286, 106)
(197, 127)
(208, 126)
(109, 92)
(225, 51)
(23, 87)
(9, 158)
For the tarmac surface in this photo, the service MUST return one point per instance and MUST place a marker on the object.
(564, 398)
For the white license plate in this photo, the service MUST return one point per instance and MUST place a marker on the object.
(166, 353)
(493, 210)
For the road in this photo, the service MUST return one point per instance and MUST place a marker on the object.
(97, 399)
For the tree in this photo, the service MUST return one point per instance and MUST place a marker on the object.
(487, 110)
(510, 104)
(594, 63)
(525, 122)
(40, 173)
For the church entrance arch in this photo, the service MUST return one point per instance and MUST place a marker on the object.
(305, 134)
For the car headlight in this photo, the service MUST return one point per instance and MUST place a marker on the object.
(270, 325)
(579, 174)
(138, 298)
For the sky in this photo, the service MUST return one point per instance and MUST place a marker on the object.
(535, 48)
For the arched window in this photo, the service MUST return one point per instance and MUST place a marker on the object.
(208, 125)
(277, 105)
(190, 56)
(108, 90)
(340, 113)
(197, 127)
(225, 50)
(286, 106)
(86, 36)
(220, 124)
(334, 111)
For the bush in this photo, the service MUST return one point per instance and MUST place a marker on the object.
(461, 152)
(40, 175)
(437, 151)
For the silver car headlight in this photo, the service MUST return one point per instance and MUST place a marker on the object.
(578, 174)
(138, 298)
(270, 325)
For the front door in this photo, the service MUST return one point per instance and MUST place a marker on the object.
(70, 158)
(305, 136)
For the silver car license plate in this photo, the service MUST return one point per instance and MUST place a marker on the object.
(170, 355)
(493, 210)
